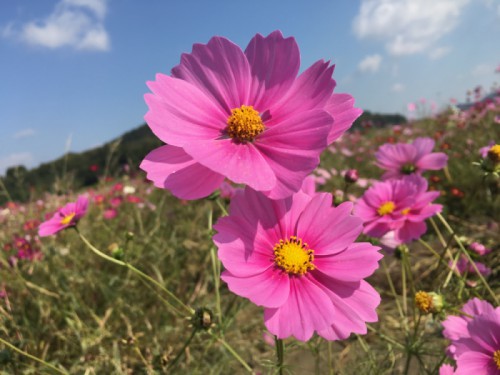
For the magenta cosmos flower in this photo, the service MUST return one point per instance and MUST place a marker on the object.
(245, 115)
(65, 217)
(296, 258)
(402, 159)
(401, 206)
(455, 327)
(446, 370)
(479, 352)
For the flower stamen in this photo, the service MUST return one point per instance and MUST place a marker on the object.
(496, 358)
(294, 256)
(67, 219)
(386, 208)
(244, 124)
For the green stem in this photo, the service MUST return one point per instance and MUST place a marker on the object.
(188, 309)
(461, 246)
(216, 274)
(386, 338)
(393, 291)
(280, 354)
(234, 354)
(33, 357)
(183, 349)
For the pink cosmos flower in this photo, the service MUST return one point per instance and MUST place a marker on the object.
(109, 214)
(65, 217)
(402, 159)
(446, 370)
(479, 248)
(397, 205)
(296, 258)
(463, 266)
(479, 352)
(245, 116)
(455, 327)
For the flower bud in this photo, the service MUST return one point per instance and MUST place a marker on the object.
(351, 176)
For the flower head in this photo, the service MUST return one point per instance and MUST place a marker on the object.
(65, 217)
(401, 206)
(243, 115)
(405, 159)
(296, 258)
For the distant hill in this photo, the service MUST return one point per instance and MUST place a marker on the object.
(77, 170)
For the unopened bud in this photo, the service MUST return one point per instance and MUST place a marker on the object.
(351, 176)
(202, 318)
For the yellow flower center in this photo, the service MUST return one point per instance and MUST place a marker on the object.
(386, 208)
(423, 301)
(244, 124)
(496, 358)
(406, 211)
(67, 219)
(294, 256)
(494, 153)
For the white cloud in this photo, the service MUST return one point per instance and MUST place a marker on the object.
(407, 26)
(439, 52)
(18, 158)
(370, 63)
(482, 70)
(397, 87)
(25, 133)
(78, 24)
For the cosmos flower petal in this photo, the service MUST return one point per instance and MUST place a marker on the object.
(269, 289)
(315, 83)
(358, 261)
(411, 231)
(354, 303)
(341, 107)
(175, 101)
(274, 62)
(330, 229)
(237, 162)
(434, 161)
(475, 363)
(423, 146)
(169, 167)
(220, 69)
(307, 309)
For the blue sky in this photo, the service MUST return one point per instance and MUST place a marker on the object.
(73, 72)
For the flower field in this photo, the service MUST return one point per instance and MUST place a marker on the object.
(315, 250)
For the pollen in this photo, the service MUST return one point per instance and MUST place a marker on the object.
(496, 358)
(494, 153)
(244, 124)
(406, 211)
(386, 208)
(67, 219)
(408, 169)
(423, 301)
(294, 256)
